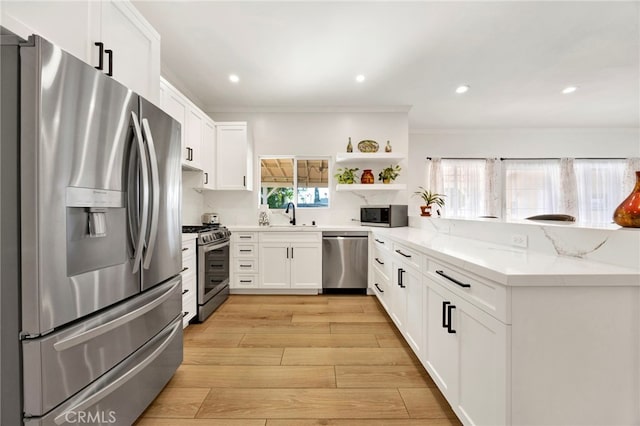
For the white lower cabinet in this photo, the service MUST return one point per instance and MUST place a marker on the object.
(466, 355)
(290, 260)
(189, 278)
(244, 260)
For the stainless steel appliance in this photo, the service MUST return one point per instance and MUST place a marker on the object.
(389, 215)
(91, 291)
(210, 219)
(213, 263)
(344, 261)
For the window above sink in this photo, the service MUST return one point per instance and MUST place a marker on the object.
(303, 181)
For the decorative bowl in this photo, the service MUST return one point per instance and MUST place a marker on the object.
(368, 146)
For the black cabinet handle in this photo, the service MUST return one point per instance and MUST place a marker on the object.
(378, 241)
(206, 178)
(245, 266)
(245, 281)
(400, 283)
(379, 261)
(100, 55)
(244, 181)
(184, 314)
(292, 252)
(184, 269)
(401, 253)
(245, 236)
(444, 314)
(185, 291)
(245, 251)
(449, 327)
(460, 283)
(185, 248)
(378, 287)
(287, 252)
(110, 53)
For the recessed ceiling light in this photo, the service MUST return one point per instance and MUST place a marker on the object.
(569, 89)
(359, 78)
(462, 89)
(234, 78)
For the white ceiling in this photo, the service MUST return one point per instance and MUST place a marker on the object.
(516, 56)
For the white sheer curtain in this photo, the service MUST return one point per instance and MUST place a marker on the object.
(532, 187)
(463, 182)
(493, 187)
(435, 176)
(600, 189)
(569, 185)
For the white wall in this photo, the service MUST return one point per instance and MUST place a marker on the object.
(482, 143)
(312, 133)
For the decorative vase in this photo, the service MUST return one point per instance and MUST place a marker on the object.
(627, 214)
(388, 147)
(425, 210)
(349, 146)
(367, 176)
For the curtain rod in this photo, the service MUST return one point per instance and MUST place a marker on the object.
(529, 158)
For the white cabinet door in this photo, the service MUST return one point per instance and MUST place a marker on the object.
(274, 265)
(209, 155)
(232, 157)
(414, 320)
(135, 45)
(441, 345)
(177, 106)
(194, 134)
(64, 23)
(482, 348)
(306, 265)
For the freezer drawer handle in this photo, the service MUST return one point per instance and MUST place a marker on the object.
(460, 283)
(85, 336)
(120, 381)
(378, 287)
(402, 254)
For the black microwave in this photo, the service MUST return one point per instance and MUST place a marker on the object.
(389, 215)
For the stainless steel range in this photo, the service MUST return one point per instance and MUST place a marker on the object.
(212, 265)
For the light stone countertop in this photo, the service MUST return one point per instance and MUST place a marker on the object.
(503, 264)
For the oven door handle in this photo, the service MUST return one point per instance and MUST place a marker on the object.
(214, 246)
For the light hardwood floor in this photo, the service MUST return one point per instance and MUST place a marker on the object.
(298, 361)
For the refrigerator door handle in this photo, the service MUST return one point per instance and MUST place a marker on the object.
(113, 386)
(139, 246)
(155, 193)
(108, 326)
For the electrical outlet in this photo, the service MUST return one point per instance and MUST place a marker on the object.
(519, 240)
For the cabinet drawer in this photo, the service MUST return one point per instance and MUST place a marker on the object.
(188, 253)
(189, 279)
(245, 250)
(244, 237)
(245, 265)
(382, 261)
(189, 309)
(381, 242)
(408, 256)
(245, 281)
(380, 287)
(489, 296)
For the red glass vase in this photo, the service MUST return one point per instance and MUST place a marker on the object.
(367, 176)
(627, 214)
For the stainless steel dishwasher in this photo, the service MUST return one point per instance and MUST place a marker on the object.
(344, 261)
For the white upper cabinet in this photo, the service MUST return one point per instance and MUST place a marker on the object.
(233, 157)
(135, 45)
(194, 133)
(76, 26)
(209, 155)
(177, 106)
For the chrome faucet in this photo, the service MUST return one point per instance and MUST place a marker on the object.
(293, 207)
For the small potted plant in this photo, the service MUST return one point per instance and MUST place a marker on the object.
(346, 175)
(389, 174)
(429, 198)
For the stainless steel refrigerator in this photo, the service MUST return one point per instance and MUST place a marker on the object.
(90, 297)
